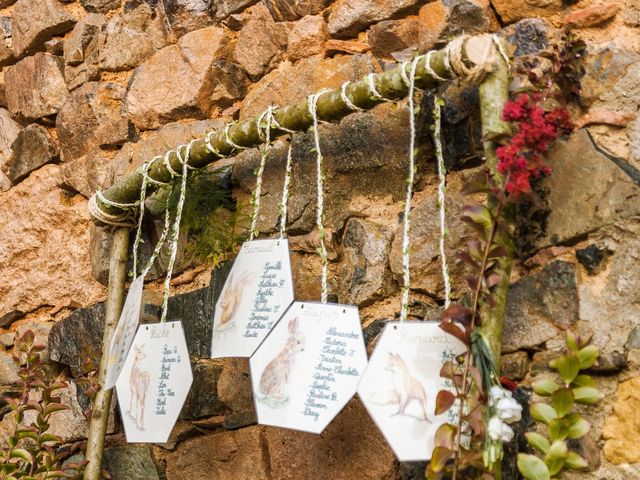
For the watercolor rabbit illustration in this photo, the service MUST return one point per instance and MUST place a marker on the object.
(232, 296)
(274, 381)
(407, 389)
(139, 385)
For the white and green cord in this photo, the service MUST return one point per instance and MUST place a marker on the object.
(312, 101)
(406, 278)
(442, 185)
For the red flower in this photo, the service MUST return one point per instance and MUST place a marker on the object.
(522, 158)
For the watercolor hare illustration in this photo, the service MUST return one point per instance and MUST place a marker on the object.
(139, 384)
(232, 297)
(407, 389)
(274, 381)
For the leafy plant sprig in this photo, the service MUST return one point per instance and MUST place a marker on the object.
(562, 422)
(32, 452)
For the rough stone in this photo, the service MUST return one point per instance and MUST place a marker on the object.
(352, 442)
(307, 37)
(6, 42)
(55, 46)
(259, 46)
(290, 83)
(365, 275)
(234, 385)
(592, 15)
(76, 340)
(32, 148)
(6, 3)
(513, 10)
(514, 366)
(348, 17)
(185, 16)
(130, 462)
(592, 258)
(155, 97)
(44, 257)
(9, 370)
(130, 39)
(633, 341)
(609, 301)
(426, 273)
(36, 87)
(604, 194)
(621, 428)
(357, 162)
(9, 130)
(81, 50)
(528, 36)
(393, 36)
(230, 84)
(7, 340)
(230, 455)
(203, 399)
(35, 22)
(540, 305)
(225, 8)
(100, 6)
(92, 117)
(88, 173)
(334, 45)
(289, 10)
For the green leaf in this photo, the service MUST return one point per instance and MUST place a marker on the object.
(587, 395)
(23, 454)
(584, 381)
(562, 401)
(445, 435)
(588, 356)
(568, 366)
(439, 458)
(54, 407)
(556, 456)
(573, 341)
(575, 461)
(543, 413)
(532, 468)
(578, 428)
(559, 429)
(538, 442)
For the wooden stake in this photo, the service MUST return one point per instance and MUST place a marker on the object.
(102, 402)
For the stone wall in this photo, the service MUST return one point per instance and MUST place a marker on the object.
(91, 88)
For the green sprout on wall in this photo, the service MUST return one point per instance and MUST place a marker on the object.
(562, 422)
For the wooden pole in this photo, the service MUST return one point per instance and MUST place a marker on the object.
(102, 402)
(391, 84)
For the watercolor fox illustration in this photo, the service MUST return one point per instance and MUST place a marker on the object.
(232, 296)
(274, 381)
(139, 385)
(407, 389)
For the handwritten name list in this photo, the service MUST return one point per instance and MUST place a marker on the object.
(170, 357)
(333, 364)
(265, 307)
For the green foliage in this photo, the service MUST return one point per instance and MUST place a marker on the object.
(562, 422)
(32, 453)
(213, 225)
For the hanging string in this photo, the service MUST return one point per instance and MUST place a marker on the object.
(442, 177)
(404, 310)
(143, 197)
(284, 201)
(312, 102)
(265, 135)
(175, 231)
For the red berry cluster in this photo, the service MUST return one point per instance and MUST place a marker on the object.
(522, 158)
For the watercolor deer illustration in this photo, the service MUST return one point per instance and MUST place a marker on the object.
(232, 296)
(138, 384)
(407, 388)
(274, 381)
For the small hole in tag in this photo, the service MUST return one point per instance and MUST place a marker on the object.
(277, 243)
(147, 327)
(173, 325)
(301, 306)
(395, 327)
(344, 310)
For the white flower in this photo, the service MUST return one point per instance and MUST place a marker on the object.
(496, 393)
(508, 409)
(499, 431)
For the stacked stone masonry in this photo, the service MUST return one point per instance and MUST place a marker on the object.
(90, 89)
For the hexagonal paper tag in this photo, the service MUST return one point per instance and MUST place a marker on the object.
(124, 332)
(154, 382)
(257, 292)
(309, 366)
(401, 382)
